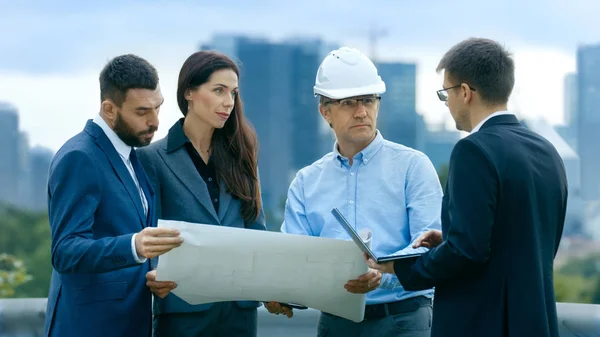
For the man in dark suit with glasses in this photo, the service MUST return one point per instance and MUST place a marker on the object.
(502, 214)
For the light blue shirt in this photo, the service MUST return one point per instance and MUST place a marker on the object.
(391, 189)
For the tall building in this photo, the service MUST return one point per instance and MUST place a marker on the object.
(267, 92)
(570, 99)
(398, 119)
(569, 130)
(588, 119)
(305, 117)
(276, 81)
(9, 153)
(439, 144)
(308, 145)
(40, 158)
(24, 180)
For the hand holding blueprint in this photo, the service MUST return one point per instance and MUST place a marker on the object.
(217, 263)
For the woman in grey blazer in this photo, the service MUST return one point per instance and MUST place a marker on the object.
(205, 171)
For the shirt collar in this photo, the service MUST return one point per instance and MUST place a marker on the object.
(366, 154)
(497, 113)
(176, 137)
(123, 149)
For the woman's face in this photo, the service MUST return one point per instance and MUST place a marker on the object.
(213, 101)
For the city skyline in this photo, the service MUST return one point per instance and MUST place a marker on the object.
(49, 72)
(45, 131)
(279, 97)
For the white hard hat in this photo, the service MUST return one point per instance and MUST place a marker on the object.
(346, 72)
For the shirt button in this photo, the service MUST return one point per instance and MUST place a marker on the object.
(351, 202)
(209, 179)
(351, 173)
(366, 160)
(216, 200)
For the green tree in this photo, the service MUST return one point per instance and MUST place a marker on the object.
(578, 280)
(587, 267)
(12, 274)
(596, 292)
(571, 288)
(26, 236)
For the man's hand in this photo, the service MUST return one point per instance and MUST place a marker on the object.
(152, 241)
(430, 239)
(159, 288)
(386, 267)
(276, 308)
(364, 283)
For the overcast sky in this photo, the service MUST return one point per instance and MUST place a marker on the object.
(52, 51)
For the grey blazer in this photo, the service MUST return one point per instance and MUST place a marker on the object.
(182, 194)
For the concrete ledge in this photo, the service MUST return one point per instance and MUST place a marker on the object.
(25, 317)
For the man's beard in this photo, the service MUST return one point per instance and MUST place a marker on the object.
(129, 136)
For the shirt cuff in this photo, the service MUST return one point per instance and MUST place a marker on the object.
(138, 259)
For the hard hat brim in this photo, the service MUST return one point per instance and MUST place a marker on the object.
(376, 89)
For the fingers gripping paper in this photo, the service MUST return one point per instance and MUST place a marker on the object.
(217, 263)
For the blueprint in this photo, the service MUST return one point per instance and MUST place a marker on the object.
(217, 263)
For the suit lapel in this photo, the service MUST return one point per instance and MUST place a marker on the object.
(149, 193)
(119, 167)
(224, 200)
(180, 163)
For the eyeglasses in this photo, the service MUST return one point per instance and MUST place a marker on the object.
(352, 103)
(443, 93)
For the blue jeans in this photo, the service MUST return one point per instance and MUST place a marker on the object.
(414, 323)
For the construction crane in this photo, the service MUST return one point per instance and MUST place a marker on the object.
(374, 34)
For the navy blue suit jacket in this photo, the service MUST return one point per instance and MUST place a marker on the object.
(182, 194)
(502, 219)
(97, 287)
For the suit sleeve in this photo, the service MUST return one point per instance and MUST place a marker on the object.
(472, 194)
(75, 189)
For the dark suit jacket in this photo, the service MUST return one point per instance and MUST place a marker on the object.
(502, 220)
(97, 287)
(182, 194)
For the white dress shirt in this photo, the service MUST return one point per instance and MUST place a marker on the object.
(124, 151)
(497, 113)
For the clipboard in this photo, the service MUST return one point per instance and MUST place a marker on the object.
(363, 246)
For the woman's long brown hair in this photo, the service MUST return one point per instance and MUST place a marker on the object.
(235, 146)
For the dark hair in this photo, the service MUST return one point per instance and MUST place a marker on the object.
(324, 100)
(235, 146)
(483, 64)
(123, 73)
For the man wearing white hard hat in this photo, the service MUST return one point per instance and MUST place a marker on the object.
(386, 187)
